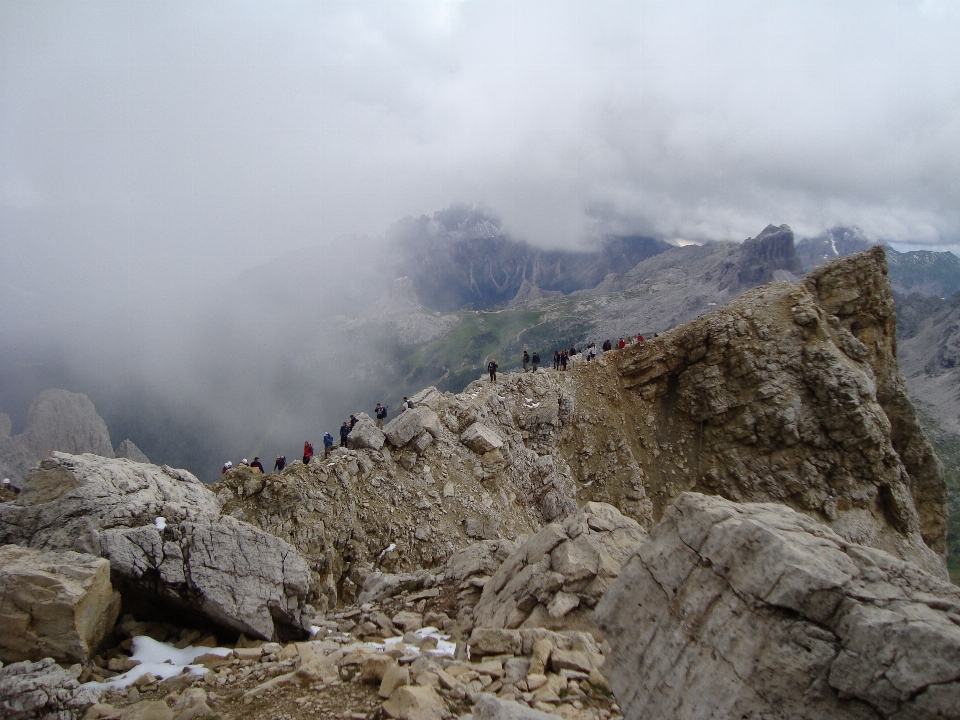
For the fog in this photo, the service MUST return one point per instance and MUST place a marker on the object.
(188, 191)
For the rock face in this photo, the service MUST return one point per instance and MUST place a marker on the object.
(365, 434)
(755, 610)
(128, 450)
(57, 420)
(556, 577)
(790, 394)
(42, 690)
(168, 547)
(54, 604)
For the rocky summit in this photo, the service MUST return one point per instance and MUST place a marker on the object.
(738, 518)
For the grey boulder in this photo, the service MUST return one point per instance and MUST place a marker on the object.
(480, 438)
(490, 707)
(365, 434)
(169, 547)
(42, 689)
(755, 610)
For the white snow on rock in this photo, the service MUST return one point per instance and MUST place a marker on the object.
(161, 659)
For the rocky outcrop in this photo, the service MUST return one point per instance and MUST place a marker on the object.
(365, 434)
(169, 549)
(754, 610)
(54, 604)
(760, 257)
(57, 420)
(556, 577)
(128, 450)
(42, 690)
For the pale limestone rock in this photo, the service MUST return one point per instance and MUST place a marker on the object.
(731, 610)
(191, 560)
(409, 424)
(555, 577)
(481, 439)
(365, 434)
(394, 676)
(230, 572)
(42, 689)
(54, 604)
(415, 703)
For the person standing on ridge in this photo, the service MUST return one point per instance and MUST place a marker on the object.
(226, 466)
(556, 359)
(492, 369)
(536, 360)
(526, 359)
(353, 421)
(621, 344)
(404, 405)
(280, 463)
(307, 452)
(327, 444)
(344, 432)
(381, 414)
(607, 346)
(256, 464)
(563, 360)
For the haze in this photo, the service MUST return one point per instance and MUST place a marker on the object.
(151, 152)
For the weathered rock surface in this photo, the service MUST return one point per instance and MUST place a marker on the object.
(490, 707)
(555, 578)
(127, 449)
(168, 546)
(226, 570)
(410, 424)
(54, 604)
(754, 610)
(790, 394)
(481, 439)
(57, 420)
(42, 690)
(365, 434)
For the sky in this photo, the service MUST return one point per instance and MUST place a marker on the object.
(151, 152)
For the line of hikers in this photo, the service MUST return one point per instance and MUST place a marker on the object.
(562, 358)
(380, 415)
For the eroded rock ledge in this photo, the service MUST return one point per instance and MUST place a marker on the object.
(754, 610)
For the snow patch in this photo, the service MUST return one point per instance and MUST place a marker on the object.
(161, 523)
(161, 659)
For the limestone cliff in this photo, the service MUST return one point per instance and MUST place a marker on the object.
(57, 420)
(791, 394)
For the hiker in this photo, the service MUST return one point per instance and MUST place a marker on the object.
(404, 405)
(307, 452)
(353, 421)
(556, 359)
(622, 344)
(226, 466)
(607, 346)
(380, 412)
(563, 360)
(536, 361)
(344, 431)
(591, 351)
(280, 463)
(327, 444)
(256, 464)
(526, 359)
(640, 338)
(492, 369)
(244, 463)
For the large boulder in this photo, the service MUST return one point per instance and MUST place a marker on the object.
(410, 424)
(168, 545)
(43, 689)
(481, 439)
(754, 610)
(365, 434)
(54, 604)
(555, 578)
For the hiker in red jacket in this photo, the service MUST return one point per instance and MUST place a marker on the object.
(307, 452)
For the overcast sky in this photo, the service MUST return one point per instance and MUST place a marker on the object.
(147, 142)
